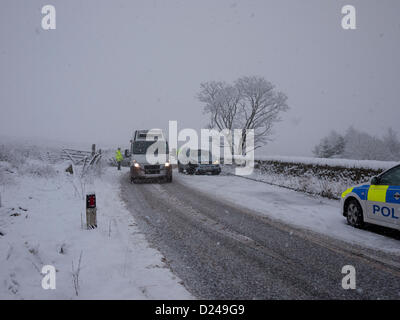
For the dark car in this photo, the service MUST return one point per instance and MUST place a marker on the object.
(198, 162)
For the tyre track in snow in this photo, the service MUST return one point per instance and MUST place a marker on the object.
(222, 251)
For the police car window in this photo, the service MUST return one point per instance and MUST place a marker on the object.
(392, 177)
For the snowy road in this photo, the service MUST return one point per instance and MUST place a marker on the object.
(224, 251)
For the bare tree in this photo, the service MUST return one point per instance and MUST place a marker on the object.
(221, 102)
(250, 103)
(362, 146)
(359, 145)
(392, 143)
(330, 146)
(260, 106)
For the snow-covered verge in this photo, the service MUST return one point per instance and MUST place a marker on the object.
(324, 177)
(42, 218)
(305, 211)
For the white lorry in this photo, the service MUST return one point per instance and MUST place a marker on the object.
(150, 156)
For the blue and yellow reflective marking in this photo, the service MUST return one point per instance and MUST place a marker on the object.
(349, 190)
(362, 191)
(393, 195)
(377, 193)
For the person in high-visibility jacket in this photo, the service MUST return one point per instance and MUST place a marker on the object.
(119, 158)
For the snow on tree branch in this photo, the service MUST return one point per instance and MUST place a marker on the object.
(249, 103)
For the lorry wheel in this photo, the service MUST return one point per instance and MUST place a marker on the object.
(354, 214)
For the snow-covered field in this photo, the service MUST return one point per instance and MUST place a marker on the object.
(309, 212)
(40, 224)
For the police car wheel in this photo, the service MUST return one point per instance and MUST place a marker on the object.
(354, 214)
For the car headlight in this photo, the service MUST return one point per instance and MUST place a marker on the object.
(216, 162)
(136, 165)
(167, 164)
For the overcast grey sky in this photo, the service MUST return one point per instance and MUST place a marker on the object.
(114, 66)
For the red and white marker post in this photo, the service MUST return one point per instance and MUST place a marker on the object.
(91, 214)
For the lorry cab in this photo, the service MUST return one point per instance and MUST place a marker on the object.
(150, 156)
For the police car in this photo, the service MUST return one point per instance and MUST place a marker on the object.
(377, 202)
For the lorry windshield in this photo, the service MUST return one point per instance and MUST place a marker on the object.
(140, 147)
